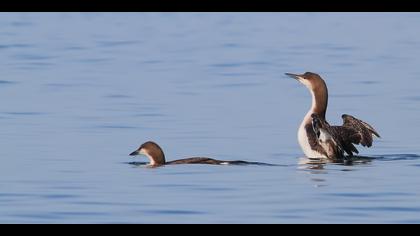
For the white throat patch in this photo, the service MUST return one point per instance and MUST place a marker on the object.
(143, 152)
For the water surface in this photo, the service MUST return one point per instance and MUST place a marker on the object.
(79, 92)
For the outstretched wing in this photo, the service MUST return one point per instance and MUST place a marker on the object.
(347, 137)
(360, 132)
(339, 139)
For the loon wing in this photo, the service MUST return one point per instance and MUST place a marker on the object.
(347, 138)
(361, 132)
(354, 131)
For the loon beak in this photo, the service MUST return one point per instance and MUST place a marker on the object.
(294, 76)
(135, 153)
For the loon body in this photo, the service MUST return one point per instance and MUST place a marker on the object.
(157, 157)
(317, 138)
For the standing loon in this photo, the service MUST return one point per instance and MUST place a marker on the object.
(157, 158)
(316, 137)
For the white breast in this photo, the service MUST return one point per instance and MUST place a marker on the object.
(304, 143)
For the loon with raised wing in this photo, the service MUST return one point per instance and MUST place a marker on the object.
(319, 139)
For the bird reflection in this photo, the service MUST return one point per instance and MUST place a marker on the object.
(316, 167)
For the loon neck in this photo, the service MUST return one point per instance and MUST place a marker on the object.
(156, 157)
(156, 161)
(319, 101)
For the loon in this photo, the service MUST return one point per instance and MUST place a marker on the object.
(317, 138)
(157, 158)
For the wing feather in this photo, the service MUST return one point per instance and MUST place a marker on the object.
(343, 138)
(361, 132)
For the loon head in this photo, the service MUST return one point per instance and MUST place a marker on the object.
(318, 89)
(153, 151)
(311, 80)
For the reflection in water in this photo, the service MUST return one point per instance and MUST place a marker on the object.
(136, 163)
(317, 167)
(360, 160)
(319, 163)
(311, 164)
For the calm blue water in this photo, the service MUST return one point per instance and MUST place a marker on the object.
(79, 92)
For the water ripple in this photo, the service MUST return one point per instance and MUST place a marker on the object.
(115, 127)
(175, 212)
(230, 45)
(226, 65)
(117, 96)
(21, 23)
(151, 61)
(15, 45)
(369, 82)
(396, 157)
(94, 60)
(239, 64)
(59, 196)
(116, 43)
(7, 82)
(237, 85)
(16, 195)
(149, 115)
(31, 57)
(412, 98)
(369, 195)
(24, 113)
(384, 209)
(136, 163)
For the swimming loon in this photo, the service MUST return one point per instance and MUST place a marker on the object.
(316, 137)
(157, 158)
